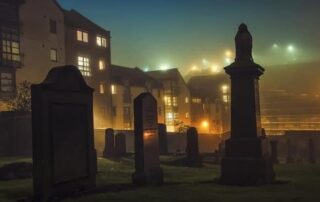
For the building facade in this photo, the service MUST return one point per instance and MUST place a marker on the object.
(176, 99)
(210, 103)
(126, 85)
(10, 56)
(88, 47)
(42, 39)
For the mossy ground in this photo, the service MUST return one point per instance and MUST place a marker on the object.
(182, 184)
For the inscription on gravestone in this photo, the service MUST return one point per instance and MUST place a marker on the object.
(64, 158)
(147, 161)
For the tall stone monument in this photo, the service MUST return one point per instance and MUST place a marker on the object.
(64, 158)
(246, 161)
(163, 139)
(120, 145)
(147, 162)
(109, 148)
(193, 156)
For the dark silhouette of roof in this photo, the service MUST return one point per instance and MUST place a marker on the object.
(208, 86)
(134, 77)
(75, 19)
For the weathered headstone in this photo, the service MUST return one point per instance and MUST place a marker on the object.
(311, 152)
(247, 161)
(274, 151)
(109, 148)
(163, 139)
(147, 162)
(193, 157)
(62, 122)
(120, 145)
(290, 152)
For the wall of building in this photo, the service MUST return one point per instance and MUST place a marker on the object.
(99, 78)
(37, 40)
(118, 105)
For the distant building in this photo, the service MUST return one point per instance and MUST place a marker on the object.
(88, 47)
(210, 103)
(126, 85)
(176, 98)
(10, 56)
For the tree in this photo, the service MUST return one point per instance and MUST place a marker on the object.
(22, 101)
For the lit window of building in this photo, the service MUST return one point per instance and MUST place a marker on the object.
(175, 101)
(224, 89)
(187, 115)
(101, 41)
(10, 51)
(101, 88)
(167, 101)
(7, 82)
(113, 89)
(225, 98)
(82, 36)
(101, 65)
(187, 100)
(196, 100)
(53, 55)
(84, 66)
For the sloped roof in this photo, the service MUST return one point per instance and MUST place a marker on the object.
(134, 76)
(208, 86)
(75, 19)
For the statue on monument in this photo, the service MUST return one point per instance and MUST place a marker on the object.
(243, 41)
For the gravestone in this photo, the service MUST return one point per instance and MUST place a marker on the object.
(290, 152)
(62, 123)
(193, 157)
(120, 145)
(274, 151)
(311, 152)
(147, 162)
(163, 139)
(247, 161)
(109, 149)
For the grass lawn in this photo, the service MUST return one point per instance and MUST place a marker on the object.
(183, 184)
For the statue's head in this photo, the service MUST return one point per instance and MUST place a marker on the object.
(243, 27)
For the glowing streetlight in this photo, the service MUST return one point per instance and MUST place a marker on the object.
(275, 46)
(215, 69)
(291, 48)
(164, 67)
(205, 124)
(194, 68)
(228, 53)
(227, 61)
(205, 62)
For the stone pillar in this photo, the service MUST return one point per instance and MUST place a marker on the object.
(274, 151)
(163, 140)
(311, 151)
(193, 156)
(147, 161)
(290, 152)
(109, 143)
(247, 161)
(120, 145)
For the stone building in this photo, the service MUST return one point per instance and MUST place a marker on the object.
(10, 56)
(127, 84)
(176, 99)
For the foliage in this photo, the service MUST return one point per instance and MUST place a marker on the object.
(22, 101)
(181, 126)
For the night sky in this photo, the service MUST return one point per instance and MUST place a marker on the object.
(198, 33)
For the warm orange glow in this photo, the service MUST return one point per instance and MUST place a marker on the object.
(205, 124)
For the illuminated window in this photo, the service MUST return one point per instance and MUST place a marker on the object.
(82, 36)
(101, 41)
(113, 89)
(187, 115)
(225, 98)
(167, 101)
(224, 89)
(84, 66)
(196, 100)
(10, 51)
(53, 55)
(175, 101)
(187, 100)
(101, 88)
(101, 65)
(7, 82)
